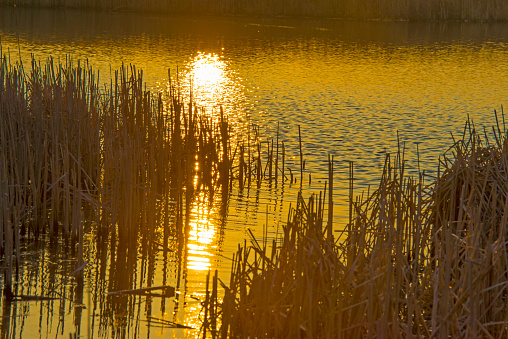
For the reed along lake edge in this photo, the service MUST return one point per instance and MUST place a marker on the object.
(416, 258)
(436, 10)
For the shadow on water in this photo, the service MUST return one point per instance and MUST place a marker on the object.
(87, 26)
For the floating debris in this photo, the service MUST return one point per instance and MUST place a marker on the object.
(166, 292)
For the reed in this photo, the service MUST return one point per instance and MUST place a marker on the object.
(416, 260)
(488, 10)
(48, 138)
(119, 161)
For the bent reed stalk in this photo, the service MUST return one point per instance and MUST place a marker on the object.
(470, 10)
(417, 259)
(120, 160)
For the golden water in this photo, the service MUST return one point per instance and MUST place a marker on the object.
(351, 86)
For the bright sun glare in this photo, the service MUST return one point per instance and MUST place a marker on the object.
(214, 83)
(208, 74)
(208, 70)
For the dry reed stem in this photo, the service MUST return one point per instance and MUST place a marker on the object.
(121, 161)
(419, 260)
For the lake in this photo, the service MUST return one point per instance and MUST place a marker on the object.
(354, 88)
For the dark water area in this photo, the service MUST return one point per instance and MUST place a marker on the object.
(354, 88)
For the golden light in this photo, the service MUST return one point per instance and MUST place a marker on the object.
(201, 238)
(214, 83)
(209, 80)
(208, 70)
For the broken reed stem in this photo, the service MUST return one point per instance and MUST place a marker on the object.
(283, 162)
(242, 165)
(301, 155)
(225, 152)
(270, 160)
(206, 304)
(277, 158)
(258, 166)
(330, 198)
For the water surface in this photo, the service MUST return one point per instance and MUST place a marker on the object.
(350, 86)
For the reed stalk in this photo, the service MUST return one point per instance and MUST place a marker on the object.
(118, 161)
(419, 260)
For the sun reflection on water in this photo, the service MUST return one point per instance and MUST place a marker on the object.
(208, 70)
(201, 238)
(214, 84)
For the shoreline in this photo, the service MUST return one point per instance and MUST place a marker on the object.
(234, 9)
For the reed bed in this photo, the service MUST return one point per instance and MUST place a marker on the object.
(487, 10)
(48, 142)
(416, 260)
(117, 160)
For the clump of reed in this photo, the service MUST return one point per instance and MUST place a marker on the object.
(488, 10)
(119, 160)
(416, 260)
(49, 139)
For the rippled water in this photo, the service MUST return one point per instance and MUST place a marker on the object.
(350, 86)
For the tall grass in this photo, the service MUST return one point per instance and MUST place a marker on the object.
(417, 260)
(119, 160)
(49, 142)
(487, 10)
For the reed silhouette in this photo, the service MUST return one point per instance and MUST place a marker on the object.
(118, 163)
(417, 259)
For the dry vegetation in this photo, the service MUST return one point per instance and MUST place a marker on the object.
(119, 160)
(485, 10)
(416, 260)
